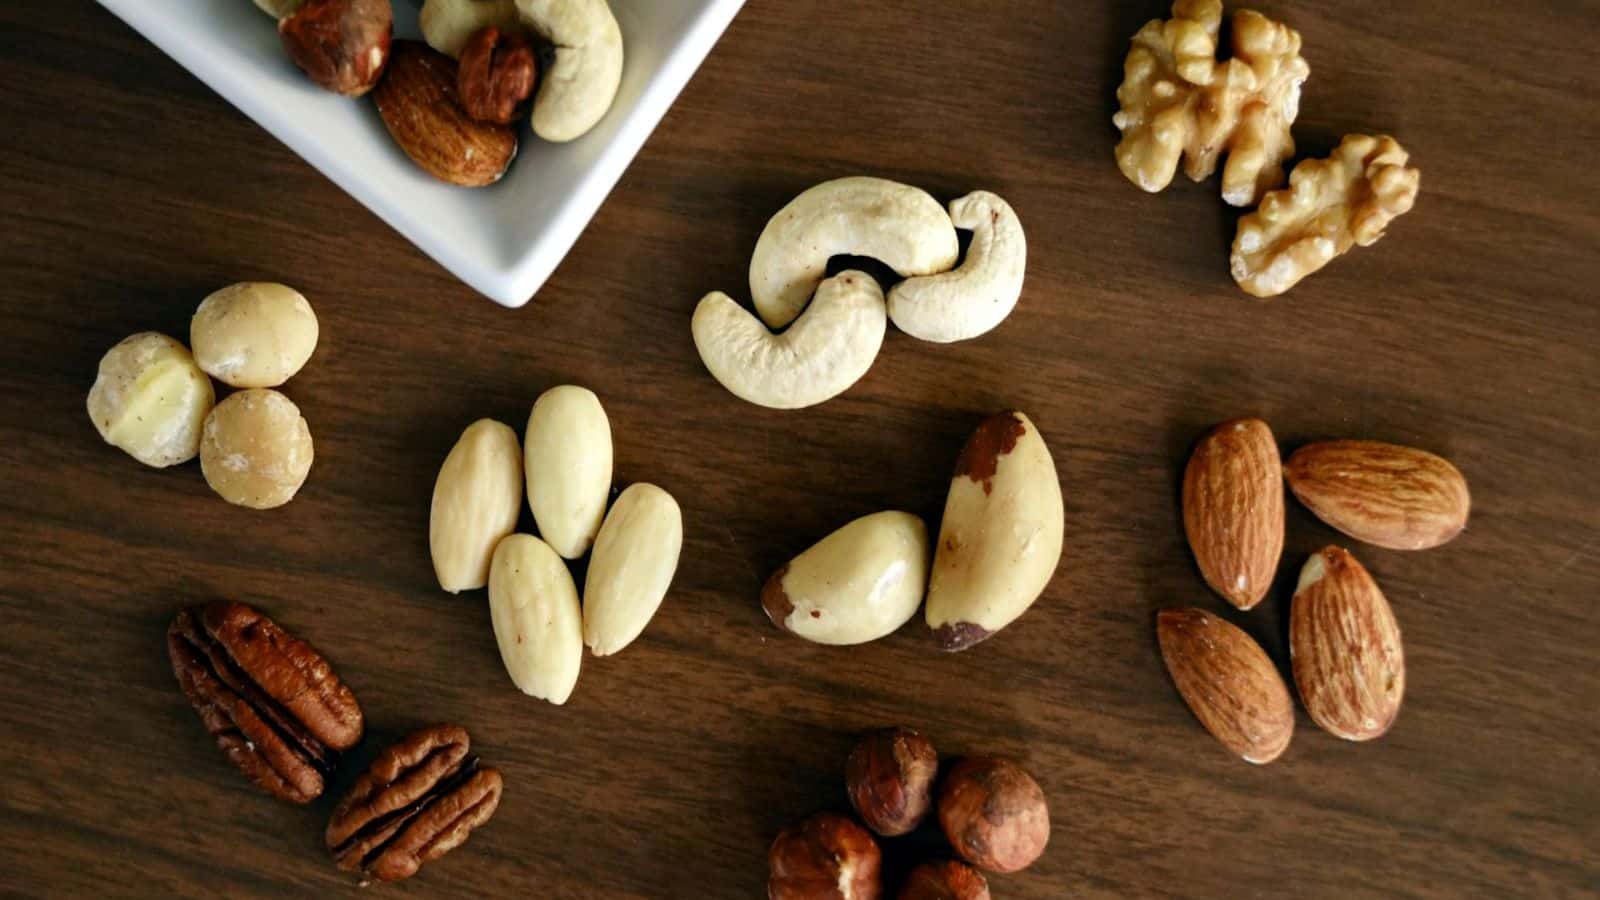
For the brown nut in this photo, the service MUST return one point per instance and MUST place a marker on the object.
(889, 777)
(419, 101)
(994, 814)
(495, 75)
(945, 880)
(826, 857)
(419, 800)
(341, 45)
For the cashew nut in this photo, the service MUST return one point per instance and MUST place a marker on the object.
(825, 351)
(896, 224)
(447, 24)
(966, 302)
(577, 90)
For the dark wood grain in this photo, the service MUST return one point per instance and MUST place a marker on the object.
(128, 191)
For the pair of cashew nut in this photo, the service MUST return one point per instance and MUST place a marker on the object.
(830, 343)
(579, 88)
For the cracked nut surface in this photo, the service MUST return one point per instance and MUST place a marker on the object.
(1330, 206)
(826, 857)
(889, 777)
(994, 814)
(476, 500)
(420, 799)
(496, 75)
(253, 334)
(1344, 643)
(150, 399)
(256, 449)
(342, 45)
(274, 704)
(1228, 681)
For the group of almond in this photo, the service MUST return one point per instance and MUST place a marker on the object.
(1180, 101)
(450, 103)
(565, 460)
(1344, 642)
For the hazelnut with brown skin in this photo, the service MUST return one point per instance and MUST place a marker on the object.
(342, 45)
(994, 814)
(826, 857)
(889, 777)
(496, 76)
(945, 880)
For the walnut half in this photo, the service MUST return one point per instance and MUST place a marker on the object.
(1329, 206)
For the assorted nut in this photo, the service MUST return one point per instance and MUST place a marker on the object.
(582, 82)
(538, 622)
(150, 400)
(274, 705)
(419, 103)
(254, 334)
(1331, 205)
(858, 584)
(1233, 509)
(1345, 645)
(476, 499)
(1344, 641)
(567, 455)
(255, 449)
(1000, 541)
(835, 326)
(990, 810)
(418, 800)
(341, 45)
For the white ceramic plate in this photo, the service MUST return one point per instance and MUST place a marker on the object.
(503, 240)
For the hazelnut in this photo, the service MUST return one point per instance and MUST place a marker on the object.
(496, 75)
(341, 45)
(889, 777)
(945, 880)
(994, 814)
(826, 857)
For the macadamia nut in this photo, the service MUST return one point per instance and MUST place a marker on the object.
(254, 334)
(256, 450)
(150, 399)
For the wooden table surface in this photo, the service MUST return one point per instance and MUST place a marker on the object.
(130, 191)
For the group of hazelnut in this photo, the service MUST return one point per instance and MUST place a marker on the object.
(450, 103)
(992, 812)
(1178, 100)
(153, 398)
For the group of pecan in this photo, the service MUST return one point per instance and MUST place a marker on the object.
(281, 714)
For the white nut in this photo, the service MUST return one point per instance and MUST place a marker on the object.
(537, 623)
(278, 8)
(856, 585)
(966, 302)
(567, 450)
(253, 335)
(1000, 541)
(825, 351)
(447, 24)
(577, 90)
(476, 500)
(634, 560)
(256, 449)
(150, 400)
(900, 226)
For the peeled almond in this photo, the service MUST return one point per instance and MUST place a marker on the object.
(567, 454)
(476, 500)
(634, 560)
(537, 623)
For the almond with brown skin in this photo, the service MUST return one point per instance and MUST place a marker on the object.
(1228, 681)
(419, 104)
(1233, 509)
(1345, 646)
(1395, 497)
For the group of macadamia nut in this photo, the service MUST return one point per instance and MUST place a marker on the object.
(1178, 101)
(999, 545)
(565, 461)
(992, 812)
(153, 398)
(450, 108)
(834, 327)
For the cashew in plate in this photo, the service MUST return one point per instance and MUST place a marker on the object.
(577, 90)
(822, 354)
(896, 224)
(966, 302)
(448, 24)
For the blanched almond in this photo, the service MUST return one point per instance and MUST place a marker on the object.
(567, 451)
(635, 557)
(537, 623)
(476, 500)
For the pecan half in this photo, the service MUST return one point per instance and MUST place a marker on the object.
(272, 702)
(496, 75)
(418, 800)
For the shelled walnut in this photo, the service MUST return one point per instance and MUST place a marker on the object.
(1329, 206)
